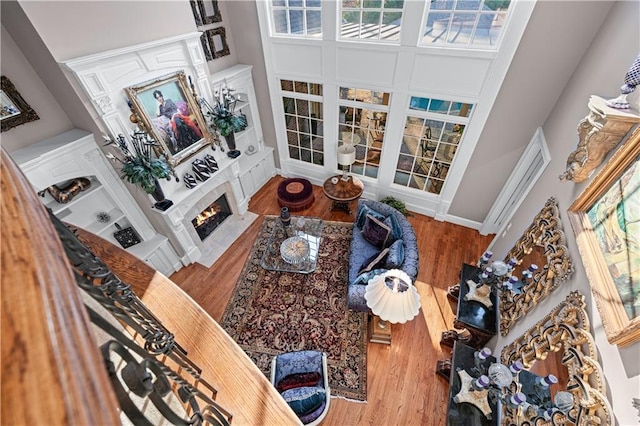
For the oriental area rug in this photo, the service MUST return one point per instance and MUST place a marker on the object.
(273, 312)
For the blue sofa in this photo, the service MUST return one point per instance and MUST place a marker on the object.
(361, 250)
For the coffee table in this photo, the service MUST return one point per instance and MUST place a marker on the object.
(300, 233)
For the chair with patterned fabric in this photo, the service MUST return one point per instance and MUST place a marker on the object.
(302, 380)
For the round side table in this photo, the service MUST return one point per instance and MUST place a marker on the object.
(343, 192)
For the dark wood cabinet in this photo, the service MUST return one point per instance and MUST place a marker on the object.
(475, 323)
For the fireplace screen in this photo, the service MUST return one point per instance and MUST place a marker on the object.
(211, 217)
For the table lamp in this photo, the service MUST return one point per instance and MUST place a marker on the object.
(393, 298)
(346, 157)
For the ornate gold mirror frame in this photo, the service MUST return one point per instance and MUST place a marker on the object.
(565, 329)
(545, 232)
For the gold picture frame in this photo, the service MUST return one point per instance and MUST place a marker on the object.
(13, 108)
(566, 330)
(168, 111)
(546, 238)
(607, 226)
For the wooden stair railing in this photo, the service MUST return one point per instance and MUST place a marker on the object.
(52, 371)
(242, 388)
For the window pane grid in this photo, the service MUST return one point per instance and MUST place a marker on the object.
(464, 23)
(303, 120)
(296, 18)
(428, 148)
(371, 19)
(363, 117)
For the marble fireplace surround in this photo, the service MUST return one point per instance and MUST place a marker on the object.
(100, 80)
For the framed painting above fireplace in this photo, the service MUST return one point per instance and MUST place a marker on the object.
(168, 111)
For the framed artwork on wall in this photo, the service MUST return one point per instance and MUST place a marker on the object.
(14, 110)
(205, 11)
(218, 42)
(606, 221)
(166, 109)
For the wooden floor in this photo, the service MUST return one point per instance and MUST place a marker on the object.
(403, 388)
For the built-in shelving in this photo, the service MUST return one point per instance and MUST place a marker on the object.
(97, 209)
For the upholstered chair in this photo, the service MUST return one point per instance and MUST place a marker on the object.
(302, 380)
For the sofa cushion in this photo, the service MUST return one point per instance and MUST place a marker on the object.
(297, 380)
(375, 231)
(305, 399)
(363, 212)
(395, 256)
(374, 262)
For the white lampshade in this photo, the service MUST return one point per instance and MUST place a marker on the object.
(346, 155)
(393, 297)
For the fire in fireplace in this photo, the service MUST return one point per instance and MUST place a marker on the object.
(211, 217)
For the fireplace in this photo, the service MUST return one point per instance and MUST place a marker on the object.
(211, 217)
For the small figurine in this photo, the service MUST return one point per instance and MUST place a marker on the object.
(631, 80)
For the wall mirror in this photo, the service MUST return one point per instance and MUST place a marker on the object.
(168, 111)
(563, 334)
(14, 109)
(543, 244)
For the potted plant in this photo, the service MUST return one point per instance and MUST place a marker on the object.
(141, 167)
(224, 119)
(396, 204)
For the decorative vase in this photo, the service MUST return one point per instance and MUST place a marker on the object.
(211, 163)
(189, 181)
(285, 216)
(231, 143)
(158, 195)
(201, 170)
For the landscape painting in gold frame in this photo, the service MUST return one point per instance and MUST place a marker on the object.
(606, 221)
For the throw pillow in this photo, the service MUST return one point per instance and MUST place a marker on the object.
(396, 229)
(396, 255)
(375, 232)
(362, 215)
(375, 261)
(363, 278)
(304, 400)
(297, 380)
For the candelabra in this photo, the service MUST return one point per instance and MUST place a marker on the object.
(514, 387)
(499, 275)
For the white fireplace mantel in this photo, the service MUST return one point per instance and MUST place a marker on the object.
(104, 77)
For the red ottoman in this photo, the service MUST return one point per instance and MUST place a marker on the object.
(296, 194)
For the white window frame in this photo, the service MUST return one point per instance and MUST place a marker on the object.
(446, 33)
(272, 24)
(361, 10)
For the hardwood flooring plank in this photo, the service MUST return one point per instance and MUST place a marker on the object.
(403, 388)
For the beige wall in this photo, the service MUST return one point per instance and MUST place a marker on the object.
(77, 28)
(549, 51)
(600, 72)
(53, 120)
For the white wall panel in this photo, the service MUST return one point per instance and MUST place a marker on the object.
(290, 59)
(452, 75)
(366, 66)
